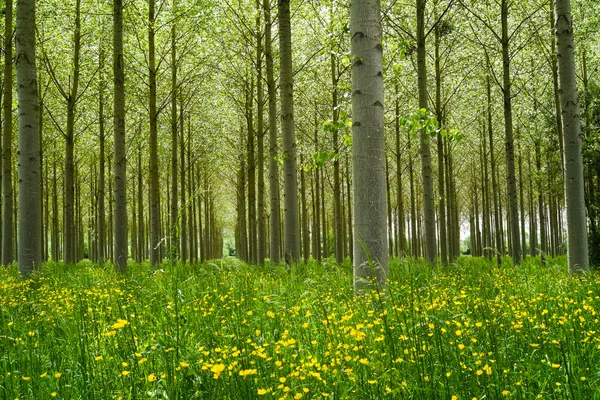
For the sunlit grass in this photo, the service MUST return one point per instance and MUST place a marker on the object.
(227, 330)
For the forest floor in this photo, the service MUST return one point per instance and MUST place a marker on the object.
(225, 330)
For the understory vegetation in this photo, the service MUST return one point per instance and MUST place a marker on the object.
(226, 330)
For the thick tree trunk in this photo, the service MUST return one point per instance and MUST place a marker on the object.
(290, 192)
(495, 189)
(509, 141)
(30, 200)
(7, 189)
(368, 145)
(573, 166)
(428, 200)
(119, 223)
(275, 243)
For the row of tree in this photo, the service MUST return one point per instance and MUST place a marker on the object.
(362, 177)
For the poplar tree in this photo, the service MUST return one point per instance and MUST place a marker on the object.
(368, 145)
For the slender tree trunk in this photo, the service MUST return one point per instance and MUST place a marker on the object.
(389, 209)
(154, 184)
(251, 172)
(275, 243)
(7, 189)
(261, 240)
(349, 221)
(509, 141)
(414, 240)
(290, 192)
(440, 149)
(495, 191)
(338, 239)
(533, 243)
(120, 253)
(541, 205)
(305, 232)
(522, 205)
(573, 166)
(428, 201)
(30, 200)
(175, 231)
(55, 244)
(69, 190)
(102, 173)
(368, 145)
(399, 192)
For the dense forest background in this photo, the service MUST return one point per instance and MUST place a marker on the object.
(204, 158)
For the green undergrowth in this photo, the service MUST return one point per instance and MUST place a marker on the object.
(226, 330)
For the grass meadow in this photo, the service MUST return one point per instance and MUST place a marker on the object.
(226, 330)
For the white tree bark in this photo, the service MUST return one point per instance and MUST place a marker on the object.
(368, 146)
(574, 191)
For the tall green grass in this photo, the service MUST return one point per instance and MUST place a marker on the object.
(226, 330)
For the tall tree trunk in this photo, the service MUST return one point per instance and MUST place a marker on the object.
(251, 172)
(174, 231)
(55, 240)
(7, 189)
(69, 190)
(30, 200)
(440, 150)
(533, 243)
(261, 239)
(120, 252)
(154, 184)
(338, 239)
(399, 192)
(102, 173)
(522, 205)
(305, 232)
(290, 192)
(349, 221)
(495, 191)
(428, 201)
(541, 205)
(509, 140)
(368, 145)
(275, 243)
(574, 184)
(389, 210)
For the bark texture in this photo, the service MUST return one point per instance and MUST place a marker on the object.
(368, 146)
(428, 203)
(120, 192)
(574, 183)
(291, 229)
(30, 195)
(7, 189)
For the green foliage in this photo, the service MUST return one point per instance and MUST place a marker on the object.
(226, 330)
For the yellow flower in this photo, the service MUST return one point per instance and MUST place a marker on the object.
(454, 398)
(555, 365)
(217, 369)
(298, 396)
(57, 375)
(111, 333)
(142, 360)
(98, 358)
(505, 393)
(26, 378)
(120, 324)
(184, 364)
(364, 361)
(261, 392)
(124, 373)
(53, 394)
(479, 372)
(372, 382)
(282, 379)
(247, 372)
(152, 378)
(45, 374)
